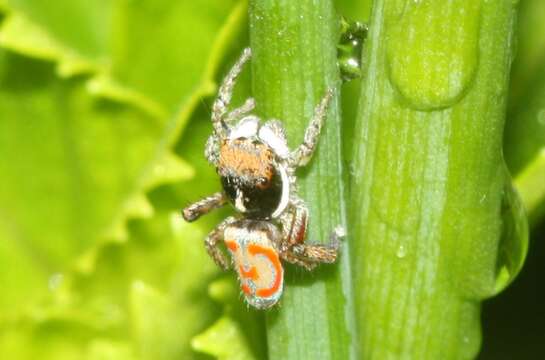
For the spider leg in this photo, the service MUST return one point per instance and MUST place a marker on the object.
(294, 223)
(225, 93)
(294, 259)
(204, 206)
(318, 253)
(314, 254)
(239, 112)
(293, 248)
(212, 150)
(302, 155)
(294, 227)
(212, 240)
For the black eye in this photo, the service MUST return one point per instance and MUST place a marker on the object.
(262, 181)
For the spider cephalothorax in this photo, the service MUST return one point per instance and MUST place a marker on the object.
(257, 170)
(251, 176)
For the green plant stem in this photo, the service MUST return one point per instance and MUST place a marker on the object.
(429, 176)
(294, 62)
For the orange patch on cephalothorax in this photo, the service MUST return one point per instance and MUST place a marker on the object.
(231, 245)
(246, 158)
(272, 256)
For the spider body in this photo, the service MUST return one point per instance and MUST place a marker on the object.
(257, 173)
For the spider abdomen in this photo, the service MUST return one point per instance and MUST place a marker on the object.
(256, 261)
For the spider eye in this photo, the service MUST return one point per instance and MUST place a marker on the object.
(262, 181)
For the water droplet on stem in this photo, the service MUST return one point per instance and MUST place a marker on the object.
(349, 49)
(401, 251)
(513, 244)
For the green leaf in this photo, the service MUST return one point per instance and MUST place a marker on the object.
(146, 52)
(22, 36)
(104, 349)
(235, 335)
(158, 324)
(146, 298)
(223, 340)
(60, 341)
(76, 172)
(70, 164)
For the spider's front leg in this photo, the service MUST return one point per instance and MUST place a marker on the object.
(214, 238)
(239, 112)
(220, 115)
(302, 155)
(204, 206)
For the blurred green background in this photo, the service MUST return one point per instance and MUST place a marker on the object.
(104, 111)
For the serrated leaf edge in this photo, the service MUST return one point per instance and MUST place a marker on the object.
(166, 167)
(69, 64)
(158, 172)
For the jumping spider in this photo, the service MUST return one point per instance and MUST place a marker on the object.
(257, 170)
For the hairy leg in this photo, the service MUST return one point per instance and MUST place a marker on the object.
(293, 248)
(320, 253)
(288, 256)
(215, 237)
(294, 227)
(219, 108)
(294, 223)
(302, 155)
(204, 206)
(239, 112)
(212, 150)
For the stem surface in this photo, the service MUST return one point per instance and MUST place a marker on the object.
(429, 188)
(294, 62)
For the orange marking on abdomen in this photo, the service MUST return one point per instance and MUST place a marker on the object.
(245, 289)
(273, 258)
(250, 274)
(231, 245)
